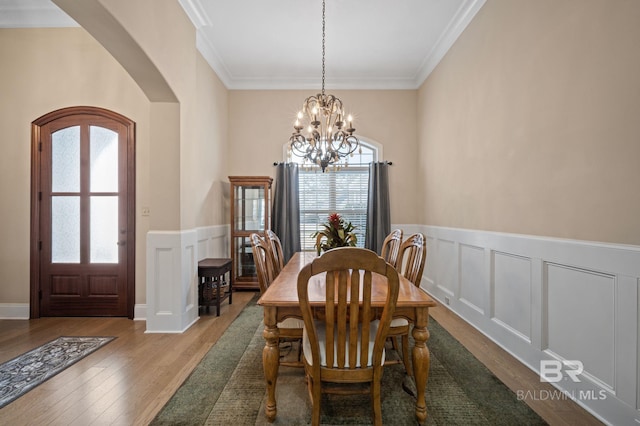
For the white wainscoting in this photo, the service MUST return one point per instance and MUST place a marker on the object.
(548, 299)
(172, 275)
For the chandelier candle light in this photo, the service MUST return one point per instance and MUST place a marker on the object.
(329, 136)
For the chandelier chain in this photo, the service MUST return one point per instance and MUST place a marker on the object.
(323, 32)
(328, 139)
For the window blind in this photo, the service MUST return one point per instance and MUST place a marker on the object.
(343, 191)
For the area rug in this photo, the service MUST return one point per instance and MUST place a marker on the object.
(30, 369)
(228, 388)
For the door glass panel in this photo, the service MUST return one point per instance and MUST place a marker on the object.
(104, 159)
(104, 230)
(65, 229)
(65, 160)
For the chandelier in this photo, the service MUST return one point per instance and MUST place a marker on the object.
(329, 134)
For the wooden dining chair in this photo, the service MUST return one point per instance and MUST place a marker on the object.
(412, 256)
(346, 345)
(391, 247)
(411, 261)
(390, 250)
(262, 260)
(276, 250)
(291, 328)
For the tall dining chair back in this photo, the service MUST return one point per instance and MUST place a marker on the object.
(346, 345)
(411, 260)
(276, 250)
(262, 260)
(391, 247)
(412, 256)
(291, 328)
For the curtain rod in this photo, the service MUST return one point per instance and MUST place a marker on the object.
(275, 163)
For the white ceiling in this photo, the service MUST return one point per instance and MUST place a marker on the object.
(277, 44)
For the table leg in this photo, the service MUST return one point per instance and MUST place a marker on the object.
(218, 283)
(421, 361)
(270, 360)
(230, 287)
(207, 283)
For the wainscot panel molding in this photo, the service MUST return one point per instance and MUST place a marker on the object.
(552, 300)
(172, 274)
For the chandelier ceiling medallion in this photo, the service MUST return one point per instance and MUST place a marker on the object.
(329, 134)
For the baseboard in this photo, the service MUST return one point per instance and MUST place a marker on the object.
(20, 311)
(171, 330)
(140, 312)
(14, 311)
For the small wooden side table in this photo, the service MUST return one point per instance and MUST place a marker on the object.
(213, 286)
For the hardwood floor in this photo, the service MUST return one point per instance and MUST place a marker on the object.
(124, 383)
(129, 380)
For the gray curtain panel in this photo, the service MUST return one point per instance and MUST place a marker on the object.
(285, 213)
(378, 209)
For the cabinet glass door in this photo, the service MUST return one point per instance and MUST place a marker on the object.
(249, 208)
(250, 202)
(245, 267)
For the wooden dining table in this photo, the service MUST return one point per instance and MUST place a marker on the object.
(280, 301)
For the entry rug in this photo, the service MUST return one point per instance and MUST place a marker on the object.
(30, 369)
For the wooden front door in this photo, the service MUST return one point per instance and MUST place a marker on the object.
(83, 214)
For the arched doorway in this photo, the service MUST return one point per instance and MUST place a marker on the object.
(82, 214)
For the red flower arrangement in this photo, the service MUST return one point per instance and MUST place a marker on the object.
(337, 232)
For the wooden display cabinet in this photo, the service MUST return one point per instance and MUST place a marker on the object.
(250, 212)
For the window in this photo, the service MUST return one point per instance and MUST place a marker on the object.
(340, 189)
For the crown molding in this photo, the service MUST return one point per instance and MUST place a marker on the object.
(195, 12)
(41, 14)
(18, 14)
(294, 83)
(458, 24)
(213, 59)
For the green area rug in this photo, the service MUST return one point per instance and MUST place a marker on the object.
(228, 388)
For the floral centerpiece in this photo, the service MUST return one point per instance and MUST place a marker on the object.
(337, 232)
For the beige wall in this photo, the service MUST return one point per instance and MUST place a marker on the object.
(181, 147)
(530, 123)
(44, 70)
(205, 161)
(172, 56)
(260, 123)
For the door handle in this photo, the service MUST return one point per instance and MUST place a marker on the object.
(121, 243)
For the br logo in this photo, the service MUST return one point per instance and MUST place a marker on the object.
(553, 371)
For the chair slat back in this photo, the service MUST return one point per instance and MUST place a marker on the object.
(391, 247)
(347, 310)
(276, 250)
(262, 259)
(412, 257)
